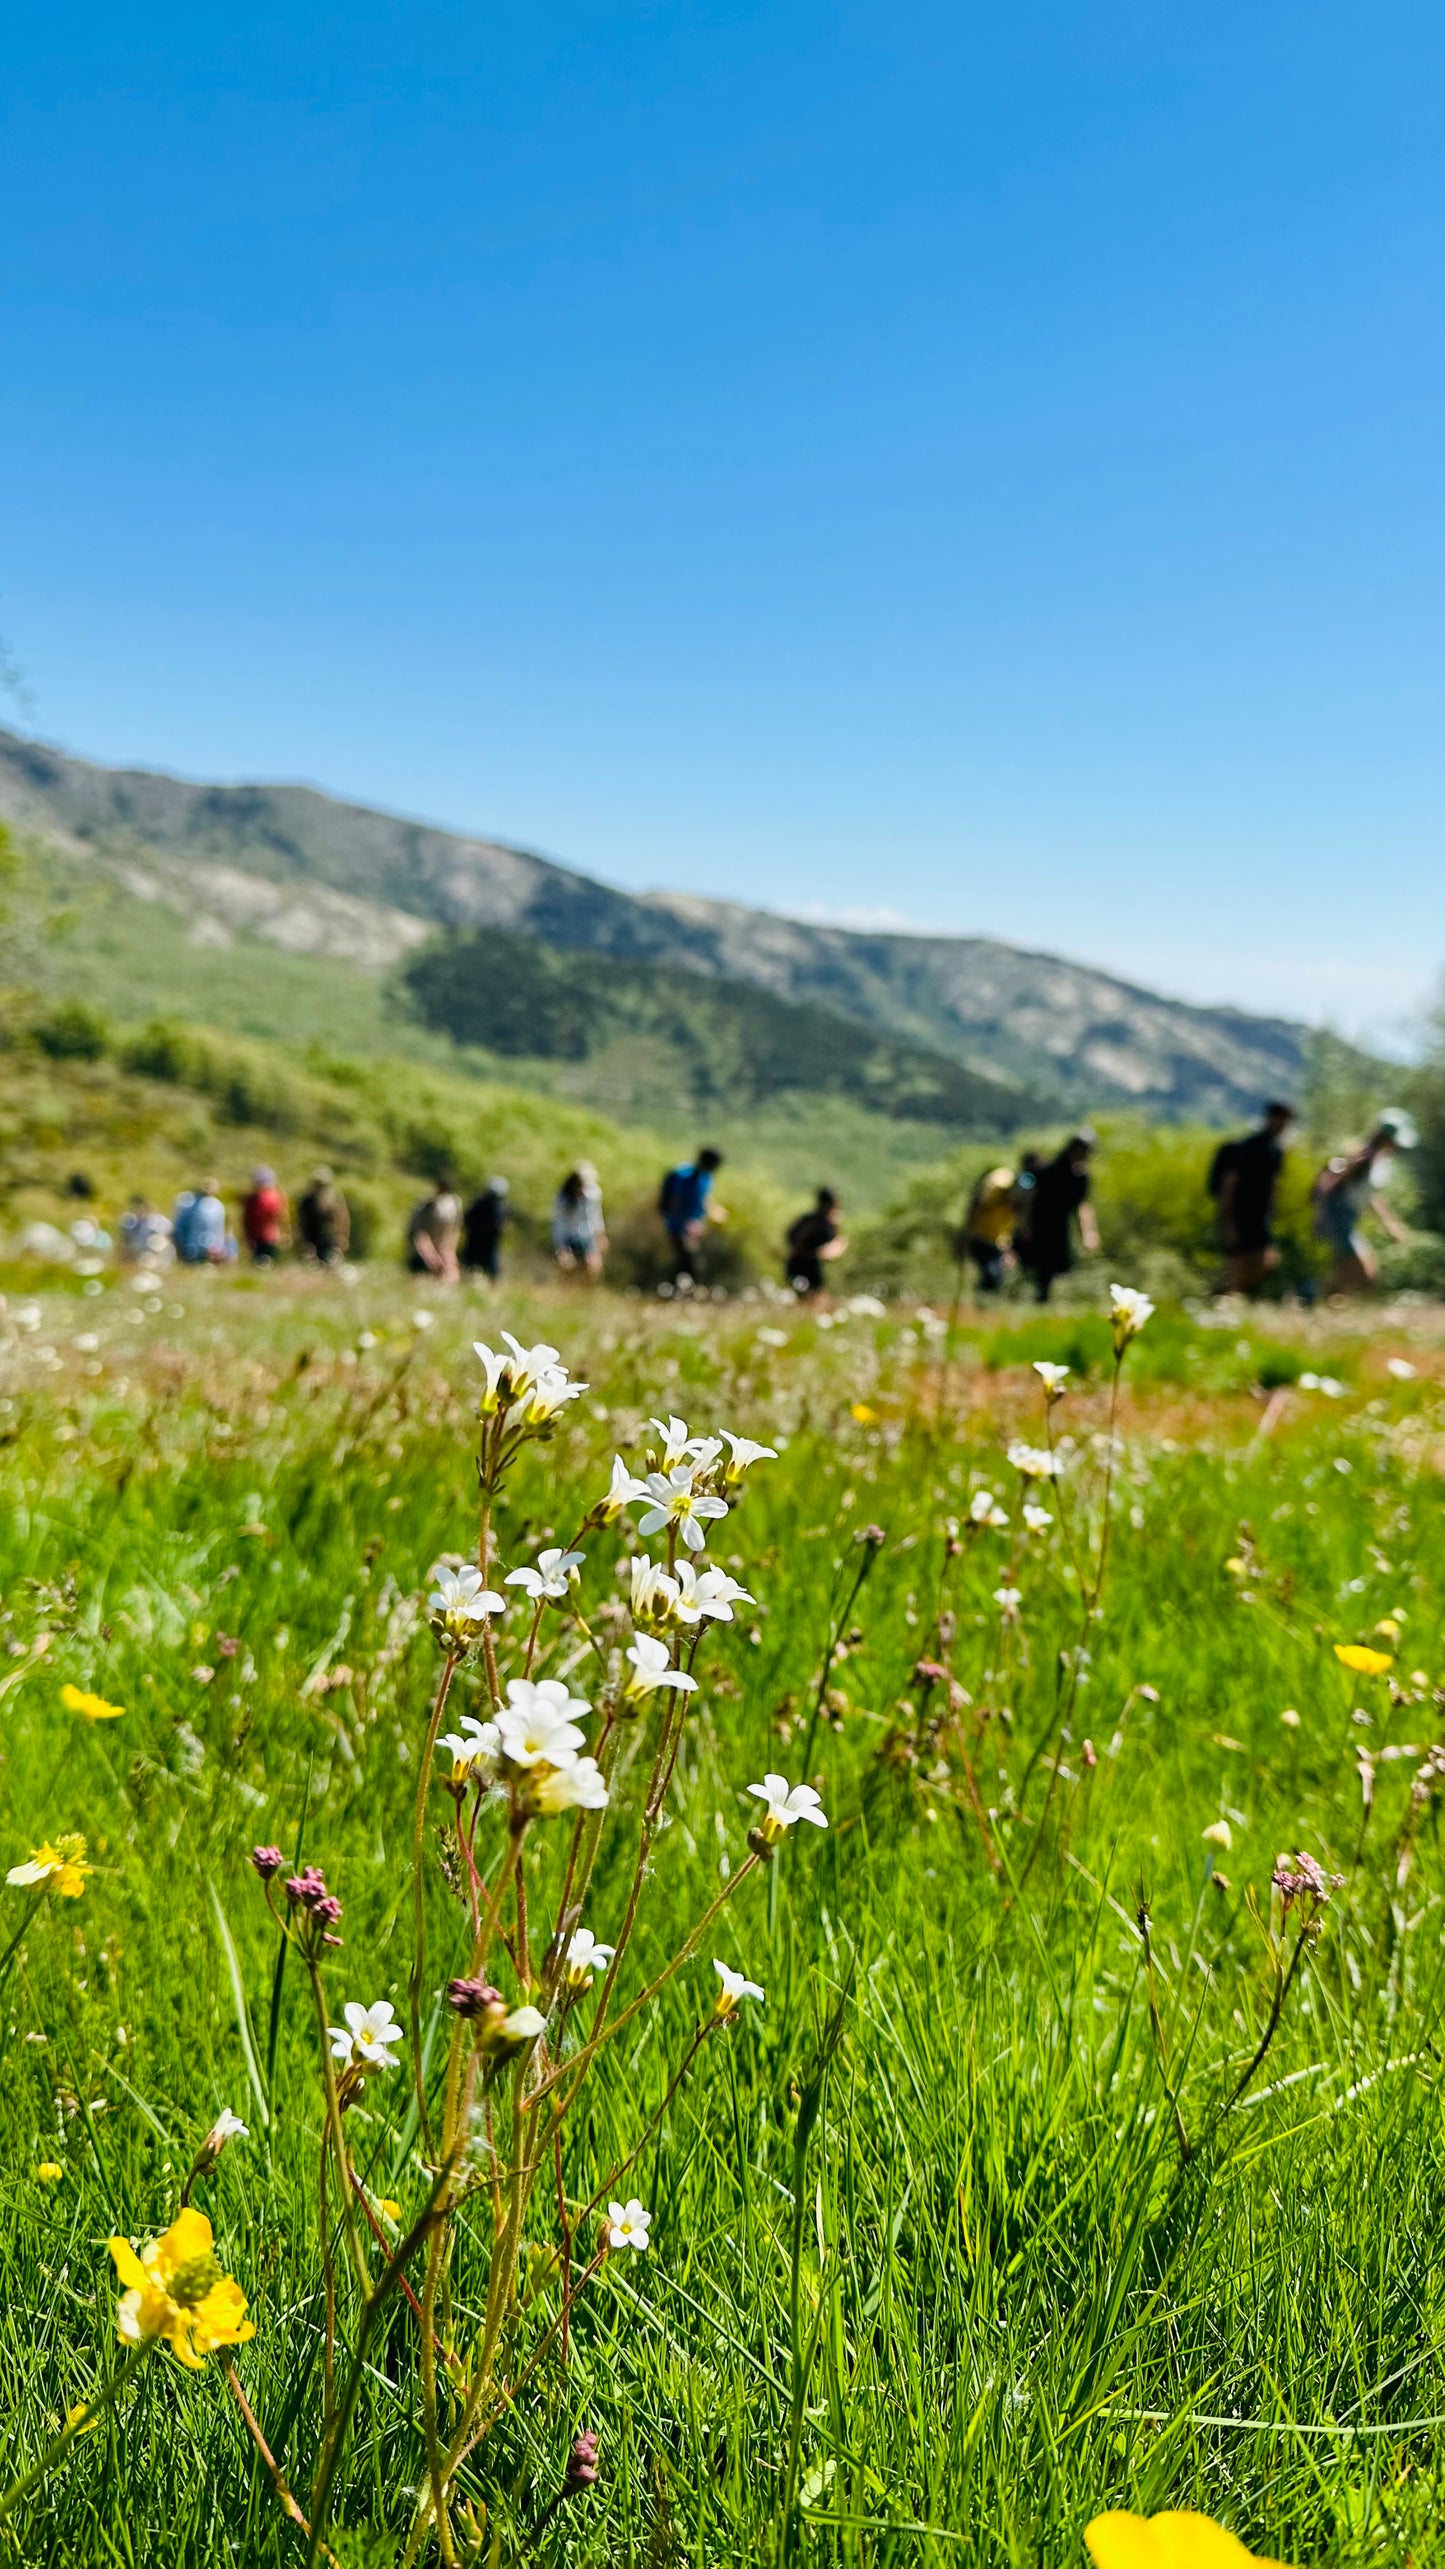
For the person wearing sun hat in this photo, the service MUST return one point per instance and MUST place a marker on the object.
(1348, 1188)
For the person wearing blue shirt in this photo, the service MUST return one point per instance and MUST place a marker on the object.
(199, 1228)
(687, 1206)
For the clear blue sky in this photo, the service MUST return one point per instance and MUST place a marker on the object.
(978, 469)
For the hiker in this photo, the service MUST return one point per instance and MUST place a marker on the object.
(145, 1234)
(198, 1227)
(1347, 1188)
(1060, 1199)
(323, 1221)
(579, 1240)
(432, 1234)
(482, 1227)
(814, 1241)
(1243, 1178)
(687, 1205)
(989, 1225)
(264, 1220)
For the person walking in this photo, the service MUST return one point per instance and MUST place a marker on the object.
(432, 1233)
(1060, 1201)
(323, 1221)
(579, 1241)
(687, 1205)
(989, 1225)
(483, 1224)
(814, 1241)
(145, 1234)
(1243, 1180)
(265, 1225)
(198, 1228)
(1348, 1189)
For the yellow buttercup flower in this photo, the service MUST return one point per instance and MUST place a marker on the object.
(865, 1416)
(93, 1707)
(49, 2172)
(1173, 2541)
(389, 2209)
(176, 2291)
(60, 1865)
(1363, 1662)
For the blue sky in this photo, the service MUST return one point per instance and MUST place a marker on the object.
(974, 469)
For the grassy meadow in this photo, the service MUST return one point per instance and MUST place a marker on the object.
(998, 2211)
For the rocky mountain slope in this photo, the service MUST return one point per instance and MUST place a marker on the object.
(315, 875)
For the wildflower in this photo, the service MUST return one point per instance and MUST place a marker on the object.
(623, 1488)
(1362, 1662)
(585, 1956)
(362, 2042)
(578, 1787)
(1290, 1718)
(1218, 1833)
(651, 1668)
(581, 2466)
(654, 1590)
(512, 1375)
(49, 2172)
(743, 1453)
(94, 1708)
(1035, 1462)
(1008, 1602)
(1400, 1369)
(475, 1750)
(1178, 2540)
(60, 1866)
(628, 2225)
(678, 1443)
(175, 2290)
(984, 1509)
(675, 1502)
(522, 2025)
(786, 1804)
(1304, 1880)
(226, 2127)
(550, 1392)
(706, 1592)
(1129, 1309)
(535, 1727)
(734, 1987)
(555, 1573)
(1053, 1378)
(865, 1416)
(1388, 1627)
(389, 2209)
(268, 1861)
(1036, 1519)
(474, 1997)
(459, 1605)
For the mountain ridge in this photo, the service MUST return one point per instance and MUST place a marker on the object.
(313, 873)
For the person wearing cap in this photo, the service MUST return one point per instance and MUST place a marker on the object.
(1243, 1180)
(1060, 1201)
(483, 1223)
(323, 1221)
(1347, 1189)
(264, 1223)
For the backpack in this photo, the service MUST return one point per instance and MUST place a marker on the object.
(667, 1193)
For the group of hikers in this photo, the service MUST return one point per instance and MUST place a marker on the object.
(1028, 1219)
(1031, 1220)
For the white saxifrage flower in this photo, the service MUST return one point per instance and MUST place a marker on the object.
(459, 1605)
(521, 2025)
(1037, 1519)
(622, 1489)
(1219, 1833)
(984, 1509)
(1128, 1311)
(652, 1667)
(680, 1446)
(786, 1804)
(513, 1372)
(535, 1726)
(550, 1392)
(578, 1787)
(1008, 1602)
(1053, 1377)
(475, 1749)
(1034, 1461)
(583, 1957)
(743, 1451)
(362, 2043)
(706, 1592)
(734, 1987)
(628, 2225)
(675, 1502)
(226, 2127)
(654, 1591)
(555, 1573)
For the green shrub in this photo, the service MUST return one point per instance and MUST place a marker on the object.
(73, 1032)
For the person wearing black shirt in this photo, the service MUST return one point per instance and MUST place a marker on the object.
(814, 1240)
(482, 1227)
(1243, 1180)
(1059, 1199)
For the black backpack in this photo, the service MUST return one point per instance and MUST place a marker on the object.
(667, 1192)
(1225, 1159)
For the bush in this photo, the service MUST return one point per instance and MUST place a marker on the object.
(73, 1032)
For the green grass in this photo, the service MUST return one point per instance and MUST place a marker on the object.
(988, 2297)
